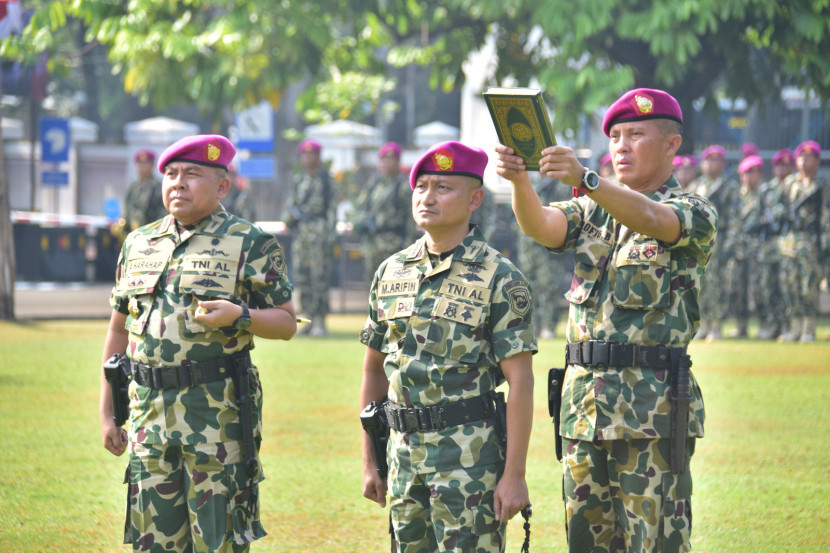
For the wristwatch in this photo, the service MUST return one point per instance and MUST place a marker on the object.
(590, 180)
(244, 320)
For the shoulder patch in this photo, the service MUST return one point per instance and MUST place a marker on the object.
(519, 296)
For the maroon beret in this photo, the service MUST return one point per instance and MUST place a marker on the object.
(808, 146)
(713, 150)
(144, 156)
(640, 104)
(212, 150)
(749, 162)
(605, 160)
(749, 149)
(393, 147)
(450, 158)
(309, 145)
(783, 156)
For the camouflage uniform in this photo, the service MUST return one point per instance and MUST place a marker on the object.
(714, 298)
(446, 325)
(382, 228)
(143, 203)
(769, 302)
(188, 486)
(801, 250)
(545, 271)
(615, 422)
(743, 267)
(311, 218)
(240, 202)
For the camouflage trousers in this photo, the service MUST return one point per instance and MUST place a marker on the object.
(769, 303)
(445, 511)
(714, 293)
(800, 285)
(191, 499)
(620, 496)
(311, 256)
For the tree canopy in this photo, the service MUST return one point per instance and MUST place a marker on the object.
(228, 54)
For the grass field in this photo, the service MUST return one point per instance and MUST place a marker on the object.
(762, 474)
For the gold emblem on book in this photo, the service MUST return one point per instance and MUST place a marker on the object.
(521, 131)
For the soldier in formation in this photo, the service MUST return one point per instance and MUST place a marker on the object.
(749, 236)
(449, 321)
(143, 202)
(723, 193)
(191, 292)
(377, 220)
(804, 243)
(628, 329)
(312, 204)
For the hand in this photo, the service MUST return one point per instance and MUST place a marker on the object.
(510, 166)
(218, 313)
(511, 496)
(560, 162)
(115, 438)
(374, 487)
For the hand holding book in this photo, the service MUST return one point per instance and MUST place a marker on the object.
(522, 122)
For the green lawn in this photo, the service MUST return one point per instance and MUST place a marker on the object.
(762, 474)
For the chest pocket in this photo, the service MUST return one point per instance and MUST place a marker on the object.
(147, 259)
(590, 261)
(643, 276)
(210, 266)
(455, 329)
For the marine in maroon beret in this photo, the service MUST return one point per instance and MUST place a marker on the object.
(450, 158)
(784, 156)
(213, 150)
(640, 104)
(809, 147)
(144, 156)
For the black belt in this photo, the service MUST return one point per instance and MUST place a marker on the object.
(189, 373)
(438, 417)
(599, 353)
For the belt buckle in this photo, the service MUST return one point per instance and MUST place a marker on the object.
(410, 419)
(600, 353)
(168, 377)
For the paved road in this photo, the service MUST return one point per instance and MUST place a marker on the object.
(49, 300)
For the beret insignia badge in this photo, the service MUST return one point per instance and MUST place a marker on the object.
(643, 104)
(212, 152)
(443, 160)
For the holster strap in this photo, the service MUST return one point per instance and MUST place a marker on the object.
(438, 417)
(599, 353)
(189, 373)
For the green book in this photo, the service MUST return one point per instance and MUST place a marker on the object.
(522, 121)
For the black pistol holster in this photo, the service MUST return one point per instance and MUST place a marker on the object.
(244, 401)
(681, 398)
(556, 380)
(118, 374)
(373, 420)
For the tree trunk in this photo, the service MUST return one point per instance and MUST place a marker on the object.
(8, 269)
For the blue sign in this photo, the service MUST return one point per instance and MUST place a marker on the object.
(54, 178)
(259, 167)
(255, 126)
(112, 209)
(54, 140)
